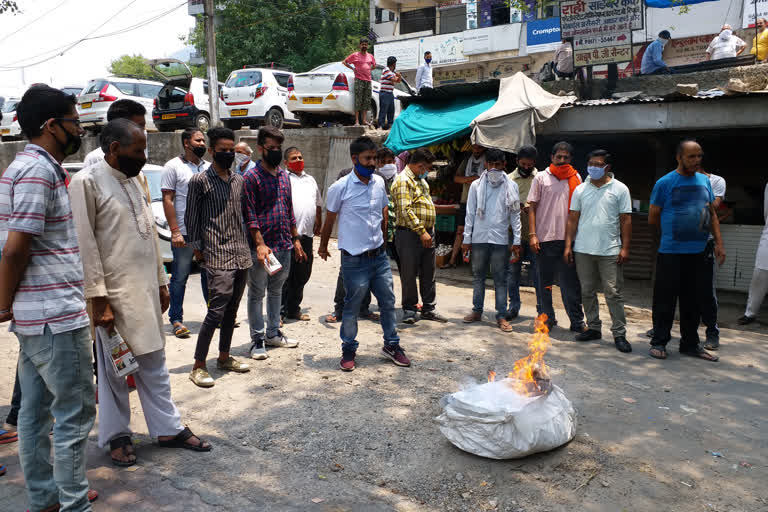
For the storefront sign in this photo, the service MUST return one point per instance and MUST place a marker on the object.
(604, 55)
(599, 24)
(492, 39)
(455, 76)
(406, 52)
(542, 35)
(749, 12)
(445, 48)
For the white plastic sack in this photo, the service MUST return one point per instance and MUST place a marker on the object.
(494, 421)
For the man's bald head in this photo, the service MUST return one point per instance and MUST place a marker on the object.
(121, 132)
(242, 147)
(689, 156)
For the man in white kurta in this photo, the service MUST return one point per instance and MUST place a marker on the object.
(759, 285)
(125, 279)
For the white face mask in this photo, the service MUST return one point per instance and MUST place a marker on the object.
(495, 177)
(388, 170)
(663, 41)
(726, 34)
(240, 159)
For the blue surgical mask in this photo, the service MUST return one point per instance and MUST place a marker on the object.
(428, 60)
(595, 173)
(364, 171)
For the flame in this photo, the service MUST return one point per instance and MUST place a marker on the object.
(491, 376)
(532, 367)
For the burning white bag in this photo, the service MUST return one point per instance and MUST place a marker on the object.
(513, 417)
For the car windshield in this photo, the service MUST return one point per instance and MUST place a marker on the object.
(10, 106)
(153, 179)
(243, 79)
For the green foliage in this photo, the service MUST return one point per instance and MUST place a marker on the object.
(299, 33)
(131, 65)
(9, 6)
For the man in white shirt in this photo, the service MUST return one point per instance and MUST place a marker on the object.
(243, 161)
(759, 285)
(709, 311)
(307, 208)
(175, 183)
(564, 58)
(493, 206)
(120, 109)
(725, 45)
(424, 73)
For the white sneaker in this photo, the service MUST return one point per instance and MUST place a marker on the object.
(281, 341)
(258, 351)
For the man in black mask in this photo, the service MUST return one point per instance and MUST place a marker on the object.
(523, 176)
(126, 282)
(214, 220)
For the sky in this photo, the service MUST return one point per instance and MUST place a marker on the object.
(67, 21)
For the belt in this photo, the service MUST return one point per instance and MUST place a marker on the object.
(403, 228)
(367, 254)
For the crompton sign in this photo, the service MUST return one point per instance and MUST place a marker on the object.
(542, 35)
(601, 29)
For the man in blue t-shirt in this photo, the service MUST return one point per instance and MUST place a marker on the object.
(682, 207)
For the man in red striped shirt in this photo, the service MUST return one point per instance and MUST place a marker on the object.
(387, 94)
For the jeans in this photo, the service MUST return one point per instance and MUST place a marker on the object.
(497, 256)
(180, 270)
(361, 276)
(418, 263)
(13, 414)
(687, 277)
(341, 293)
(56, 383)
(513, 279)
(709, 310)
(298, 277)
(604, 272)
(227, 287)
(261, 283)
(386, 109)
(551, 265)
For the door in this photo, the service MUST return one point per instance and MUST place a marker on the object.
(282, 91)
(146, 94)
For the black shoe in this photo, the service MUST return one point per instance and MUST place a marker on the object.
(745, 320)
(622, 345)
(649, 333)
(435, 317)
(580, 328)
(589, 335)
(409, 317)
(712, 343)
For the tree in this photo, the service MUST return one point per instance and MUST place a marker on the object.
(9, 6)
(299, 33)
(131, 65)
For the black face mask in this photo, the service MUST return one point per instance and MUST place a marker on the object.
(130, 166)
(524, 172)
(273, 157)
(72, 143)
(224, 158)
(199, 151)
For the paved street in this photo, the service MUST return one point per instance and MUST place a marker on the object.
(297, 434)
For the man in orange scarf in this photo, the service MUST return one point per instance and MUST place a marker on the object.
(549, 201)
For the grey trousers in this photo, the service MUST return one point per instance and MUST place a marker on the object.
(757, 289)
(416, 264)
(602, 272)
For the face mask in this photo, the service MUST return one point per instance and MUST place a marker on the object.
(388, 170)
(224, 158)
(363, 171)
(72, 143)
(199, 151)
(428, 60)
(296, 166)
(130, 166)
(726, 34)
(663, 41)
(240, 159)
(495, 177)
(273, 157)
(595, 173)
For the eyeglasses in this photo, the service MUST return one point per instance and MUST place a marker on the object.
(76, 122)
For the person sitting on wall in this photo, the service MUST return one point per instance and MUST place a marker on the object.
(564, 59)
(652, 63)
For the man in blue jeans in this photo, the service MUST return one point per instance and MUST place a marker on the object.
(360, 201)
(387, 94)
(41, 293)
(175, 184)
(268, 214)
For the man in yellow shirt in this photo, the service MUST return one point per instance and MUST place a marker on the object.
(760, 42)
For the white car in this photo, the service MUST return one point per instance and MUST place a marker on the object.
(327, 93)
(97, 96)
(254, 96)
(9, 124)
(183, 100)
(72, 89)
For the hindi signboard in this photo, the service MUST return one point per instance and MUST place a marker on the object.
(748, 21)
(601, 29)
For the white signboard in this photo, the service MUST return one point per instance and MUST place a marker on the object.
(195, 7)
(492, 39)
(406, 52)
(749, 12)
(445, 48)
(603, 24)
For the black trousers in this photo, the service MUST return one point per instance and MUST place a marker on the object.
(417, 266)
(298, 277)
(225, 289)
(687, 277)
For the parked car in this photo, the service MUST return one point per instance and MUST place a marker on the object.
(327, 93)
(97, 96)
(153, 173)
(72, 89)
(9, 123)
(254, 96)
(183, 100)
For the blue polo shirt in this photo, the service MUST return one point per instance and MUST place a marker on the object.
(685, 216)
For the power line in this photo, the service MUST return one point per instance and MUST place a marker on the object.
(46, 13)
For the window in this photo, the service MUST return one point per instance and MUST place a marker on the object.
(95, 86)
(402, 86)
(453, 19)
(282, 79)
(550, 9)
(419, 20)
(243, 79)
(376, 74)
(128, 88)
(384, 16)
(9, 106)
(149, 90)
(499, 14)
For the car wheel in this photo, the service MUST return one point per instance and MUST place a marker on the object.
(202, 122)
(274, 118)
(233, 125)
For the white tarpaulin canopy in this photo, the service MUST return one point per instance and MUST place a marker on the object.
(510, 123)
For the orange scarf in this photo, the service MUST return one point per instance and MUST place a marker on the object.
(562, 172)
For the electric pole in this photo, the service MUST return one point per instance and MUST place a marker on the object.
(210, 62)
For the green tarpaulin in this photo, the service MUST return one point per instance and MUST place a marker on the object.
(425, 124)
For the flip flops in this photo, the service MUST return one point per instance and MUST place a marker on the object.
(180, 441)
(180, 331)
(8, 437)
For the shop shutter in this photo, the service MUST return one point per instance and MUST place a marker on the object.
(741, 243)
(642, 252)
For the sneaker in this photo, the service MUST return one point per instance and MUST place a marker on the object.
(589, 335)
(712, 343)
(396, 354)
(201, 378)
(258, 351)
(232, 365)
(622, 345)
(347, 363)
(409, 317)
(649, 333)
(434, 316)
(281, 341)
(745, 320)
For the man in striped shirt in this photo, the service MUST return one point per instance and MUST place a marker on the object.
(41, 292)
(387, 95)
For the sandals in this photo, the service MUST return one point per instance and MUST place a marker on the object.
(120, 443)
(180, 331)
(7, 436)
(504, 325)
(180, 441)
(701, 354)
(661, 352)
(373, 317)
(332, 319)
